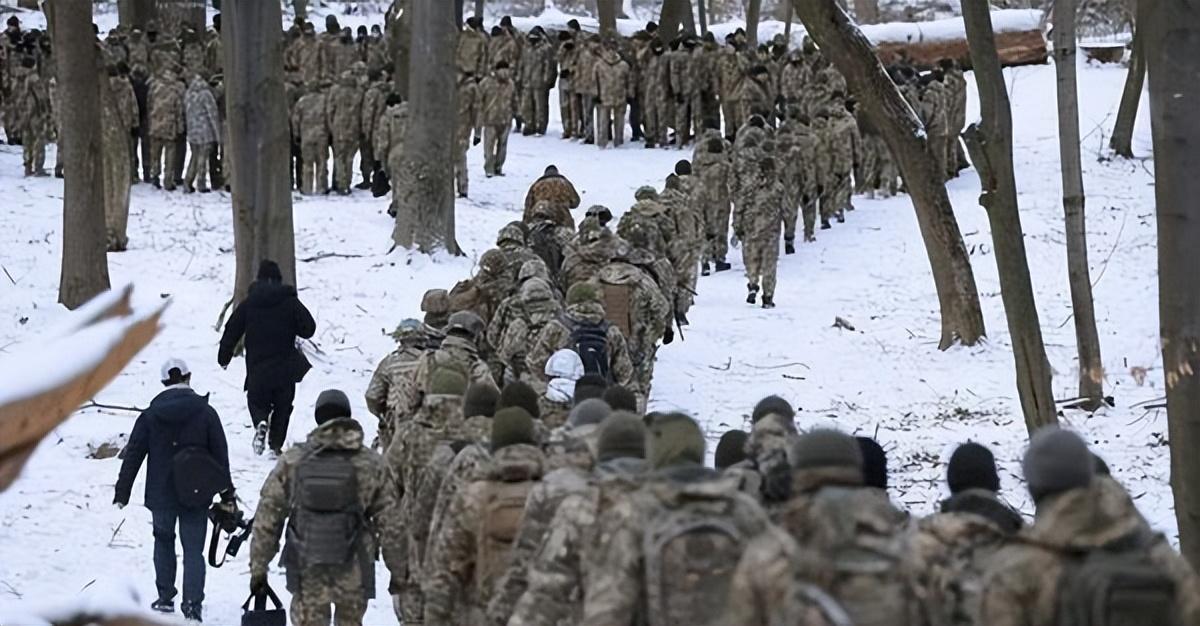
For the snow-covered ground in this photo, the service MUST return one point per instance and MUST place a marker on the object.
(62, 538)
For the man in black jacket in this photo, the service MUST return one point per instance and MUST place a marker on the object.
(187, 461)
(270, 318)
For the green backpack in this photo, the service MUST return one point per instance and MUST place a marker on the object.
(1117, 585)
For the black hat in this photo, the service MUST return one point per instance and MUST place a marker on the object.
(269, 270)
(731, 449)
(573, 24)
(506, 20)
(331, 404)
(520, 394)
(875, 472)
(621, 399)
(972, 466)
(589, 386)
(480, 400)
(773, 405)
(651, 27)
(683, 167)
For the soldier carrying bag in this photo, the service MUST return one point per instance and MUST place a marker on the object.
(1117, 585)
(260, 615)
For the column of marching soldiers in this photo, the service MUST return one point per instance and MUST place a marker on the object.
(521, 480)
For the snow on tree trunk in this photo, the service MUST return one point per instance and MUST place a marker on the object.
(1122, 138)
(84, 262)
(851, 52)
(990, 144)
(1087, 340)
(259, 145)
(753, 13)
(423, 192)
(1172, 48)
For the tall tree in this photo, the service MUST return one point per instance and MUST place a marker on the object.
(423, 192)
(175, 13)
(1087, 339)
(702, 15)
(1173, 60)
(1131, 95)
(866, 11)
(399, 41)
(607, 12)
(990, 144)
(479, 9)
(676, 15)
(258, 150)
(84, 262)
(852, 54)
(753, 15)
(133, 13)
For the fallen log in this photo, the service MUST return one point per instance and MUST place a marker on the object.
(1020, 40)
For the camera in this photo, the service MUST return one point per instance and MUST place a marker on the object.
(231, 522)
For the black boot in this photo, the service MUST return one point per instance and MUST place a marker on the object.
(721, 266)
(789, 247)
(841, 217)
(825, 223)
(163, 605)
(681, 319)
(704, 269)
(753, 295)
(768, 302)
(192, 611)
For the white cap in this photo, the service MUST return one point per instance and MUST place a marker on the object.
(174, 364)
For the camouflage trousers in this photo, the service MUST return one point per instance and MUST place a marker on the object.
(587, 115)
(729, 111)
(495, 149)
(568, 108)
(688, 115)
(318, 601)
(866, 175)
(33, 153)
(343, 163)
(835, 195)
(163, 154)
(611, 121)
(685, 277)
(802, 204)
(314, 167)
(654, 121)
(366, 164)
(462, 144)
(760, 252)
(716, 228)
(535, 108)
(198, 166)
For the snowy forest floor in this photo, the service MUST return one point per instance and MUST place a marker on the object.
(62, 537)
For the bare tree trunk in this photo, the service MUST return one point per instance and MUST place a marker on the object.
(990, 144)
(423, 193)
(459, 7)
(676, 15)
(788, 17)
(479, 8)
(866, 11)
(607, 11)
(84, 262)
(300, 8)
(259, 145)
(1131, 96)
(1172, 49)
(133, 13)
(399, 36)
(852, 54)
(1087, 339)
(753, 14)
(175, 13)
(701, 11)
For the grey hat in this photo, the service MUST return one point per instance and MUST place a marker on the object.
(772, 405)
(1057, 460)
(331, 404)
(826, 447)
(622, 435)
(591, 411)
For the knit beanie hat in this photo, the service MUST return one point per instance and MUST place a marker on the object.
(675, 439)
(589, 386)
(622, 435)
(972, 466)
(447, 382)
(1057, 460)
(511, 426)
(621, 399)
(773, 404)
(581, 292)
(520, 394)
(331, 404)
(826, 448)
(683, 167)
(480, 400)
(874, 462)
(588, 412)
(731, 449)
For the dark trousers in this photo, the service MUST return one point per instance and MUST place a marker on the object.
(635, 119)
(192, 526)
(272, 404)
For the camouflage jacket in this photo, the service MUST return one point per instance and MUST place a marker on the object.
(614, 80)
(655, 77)
(760, 215)
(373, 104)
(756, 91)
(841, 143)
(126, 101)
(33, 105)
(583, 73)
(679, 70)
(771, 587)
(344, 109)
(934, 109)
(799, 149)
(467, 99)
(496, 93)
(456, 589)
(649, 308)
(504, 49)
(653, 216)
(389, 135)
(336, 57)
(455, 353)
(1022, 588)
(471, 54)
(376, 493)
(557, 335)
(619, 592)
(537, 66)
(389, 394)
(794, 81)
(166, 107)
(310, 119)
(590, 250)
(556, 190)
(516, 326)
(203, 122)
(712, 172)
(956, 100)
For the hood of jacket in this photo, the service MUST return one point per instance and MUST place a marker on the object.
(266, 294)
(517, 463)
(565, 364)
(342, 433)
(1086, 518)
(177, 405)
(987, 506)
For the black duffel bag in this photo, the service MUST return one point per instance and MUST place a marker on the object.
(260, 615)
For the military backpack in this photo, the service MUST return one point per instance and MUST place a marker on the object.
(1117, 585)
(326, 523)
(590, 341)
(503, 510)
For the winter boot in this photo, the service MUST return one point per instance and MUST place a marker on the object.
(789, 247)
(825, 223)
(681, 319)
(192, 611)
(721, 266)
(704, 271)
(260, 437)
(364, 185)
(189, 189)
(753, 295)
(810, 238)
(768, 302)
(163, 605)
(841, 217)
(154, 181)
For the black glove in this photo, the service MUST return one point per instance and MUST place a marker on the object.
(475, 141)
(258, 584)
(668, 336)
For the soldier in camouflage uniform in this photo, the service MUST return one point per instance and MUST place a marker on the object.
(472, 547)
(203, 131)
(584, 306)
(556, 190)
(652, 216)
(471, 54)
(649, 315)
(591, 249)
(389, 135)
(310, 128)
(757, 93)
(391, 386)
(496, 116)
(468, 100)
(315, 580)
(799, 148)
(655, 82)
(756, 224)
(585, 86)
(840, 147)
(33, 117)
(568, 99)
(795, 78)
(682, 89)
(712, 168)
(767, 588)
(344, 111)
(687, 243)
(934, 113)
(166, 126)
(373, 105)
(519, 320)
(458, 352)
(652, 566)
(956, 115)
(615, 88)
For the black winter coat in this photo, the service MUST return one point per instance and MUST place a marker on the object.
(177, 418)
(271, 318)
